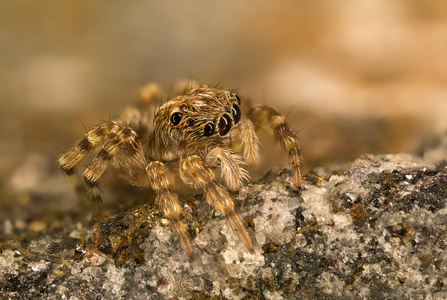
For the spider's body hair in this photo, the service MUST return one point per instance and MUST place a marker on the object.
(199, 107)
(194, 131)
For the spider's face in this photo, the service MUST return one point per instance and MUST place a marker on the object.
(201, 118)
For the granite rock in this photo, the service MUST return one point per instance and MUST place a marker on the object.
(378, 230)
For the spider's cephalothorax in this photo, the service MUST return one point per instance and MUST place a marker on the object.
(195, 131)
(194, 123)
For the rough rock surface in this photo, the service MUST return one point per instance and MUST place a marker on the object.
(375, 231)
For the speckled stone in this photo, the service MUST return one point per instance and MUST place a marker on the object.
(376, 231)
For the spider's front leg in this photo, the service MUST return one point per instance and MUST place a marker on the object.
(126, 139)
(230, 164)
(249, 141)
(195, 172)
(160, 181)
(75, 154)
(287, 138)
(72, 157)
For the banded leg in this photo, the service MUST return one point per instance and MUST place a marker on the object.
(288, 140)
(168, 202)
(150, 96)
(72, 157)
(125, 138)
(230, 164)
(140, 117)
(132, 163)
(137, 119)
(195, 172)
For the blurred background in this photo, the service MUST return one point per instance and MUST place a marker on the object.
(353, 77)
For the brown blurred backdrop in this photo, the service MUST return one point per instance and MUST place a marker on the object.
(353, 76)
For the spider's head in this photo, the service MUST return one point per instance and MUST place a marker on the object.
(202, 118)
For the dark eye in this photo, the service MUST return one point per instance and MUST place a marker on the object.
(236, 114)
(209, 129)
(238, 99)
(224, 125)
(190, 121)
(176, 118)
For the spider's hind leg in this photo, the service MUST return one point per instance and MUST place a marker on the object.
(281, 130)
(149, 96)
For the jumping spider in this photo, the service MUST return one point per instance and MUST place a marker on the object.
(191, 134)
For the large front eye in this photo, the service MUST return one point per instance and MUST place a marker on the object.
(224, 125)
(236, 114)
(209, 129)
(176, 118)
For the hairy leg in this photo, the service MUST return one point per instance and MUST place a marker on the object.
(72, 157)
(281, 130)
(168, 202)
(150, 97)
(132, 163)
(230, 164)
(195, 172)
(75, 154)
(125, 138)
(249, 141)
(140, 117)
(137, 119)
